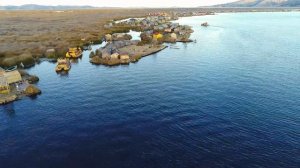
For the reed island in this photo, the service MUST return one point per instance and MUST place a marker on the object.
(155, 29)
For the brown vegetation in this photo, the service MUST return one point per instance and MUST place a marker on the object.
(33, 32)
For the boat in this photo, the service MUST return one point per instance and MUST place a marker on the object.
(63, 64)
(74, 53)
(12, 68)
(205, 24)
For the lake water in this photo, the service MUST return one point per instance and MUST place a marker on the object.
(230, 100)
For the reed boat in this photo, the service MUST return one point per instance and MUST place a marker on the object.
(205, 24)
(12, 68)
(74, 53)
(63, 64)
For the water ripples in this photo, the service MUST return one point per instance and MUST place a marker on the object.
(230, 99)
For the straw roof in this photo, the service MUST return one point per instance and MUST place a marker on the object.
(12, 76)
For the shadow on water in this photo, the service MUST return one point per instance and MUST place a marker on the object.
(75, 61)
(33, 97)
(9, 109)
(63, 73)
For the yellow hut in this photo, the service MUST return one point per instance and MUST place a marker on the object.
(157, 36)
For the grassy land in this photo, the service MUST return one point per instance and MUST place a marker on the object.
(26, 35)
(33, 32)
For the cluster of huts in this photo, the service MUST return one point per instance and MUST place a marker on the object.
(143, 23)
(8, 78)
(14, 84)
(169, 32)
(159, 28)
(158, 14)
(110, 54)
(194, 13)
(155, 29)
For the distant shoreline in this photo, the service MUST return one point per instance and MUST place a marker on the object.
(62, 7)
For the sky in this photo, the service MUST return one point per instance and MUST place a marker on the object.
(119, 3)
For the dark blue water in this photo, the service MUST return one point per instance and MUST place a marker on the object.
(230, 100)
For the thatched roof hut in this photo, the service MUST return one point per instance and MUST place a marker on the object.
(12, 76)
(124, 57)
(174, 36)
(115, 56)
(157, 36)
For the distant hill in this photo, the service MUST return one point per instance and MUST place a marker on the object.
(263, 3)
(42, 7)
